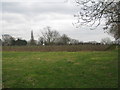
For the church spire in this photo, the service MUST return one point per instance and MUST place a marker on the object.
(32, 41)
(32, 37)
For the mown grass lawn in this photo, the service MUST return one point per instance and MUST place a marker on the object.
(60, 69)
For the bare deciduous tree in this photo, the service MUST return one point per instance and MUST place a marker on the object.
(64, 39)
(0, 42)
(106, 41)
(40, 41)
(50, 35)
(74, 41)
(7, 40)
(92, 11)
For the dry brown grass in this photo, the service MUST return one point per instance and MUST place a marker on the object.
(69, 48)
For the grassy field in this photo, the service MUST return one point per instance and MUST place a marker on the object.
(84, 69)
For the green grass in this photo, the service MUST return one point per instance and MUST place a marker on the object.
(60, 69)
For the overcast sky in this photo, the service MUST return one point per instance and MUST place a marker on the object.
(19, 18)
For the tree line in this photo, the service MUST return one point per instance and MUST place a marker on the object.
(48, 37)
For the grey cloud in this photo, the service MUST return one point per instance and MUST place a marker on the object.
(19, 18)
(37, 8)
